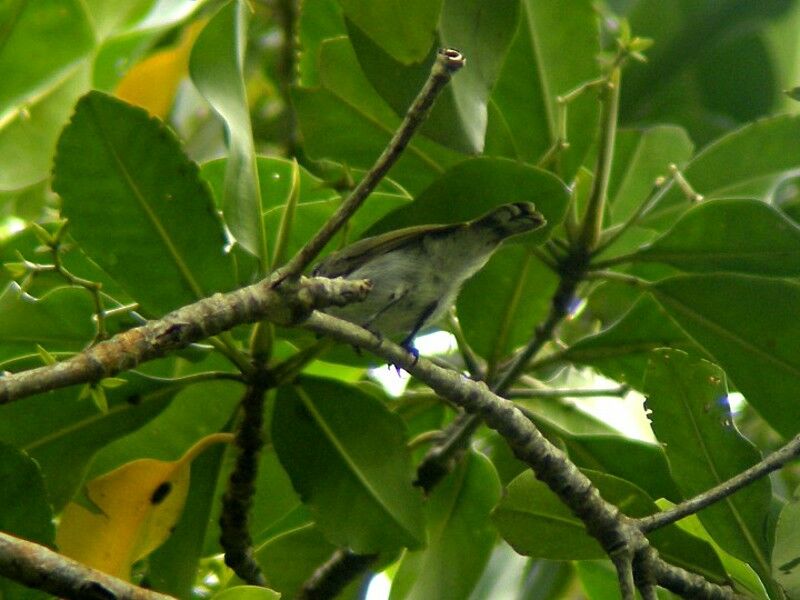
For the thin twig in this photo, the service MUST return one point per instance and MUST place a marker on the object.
(517, 393)
(771, 463)
(623, 563)
(447, 62)
(595, 207)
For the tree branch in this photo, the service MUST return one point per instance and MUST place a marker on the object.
(771, 463)
(192, 323)
(39, 567)
(603, 521)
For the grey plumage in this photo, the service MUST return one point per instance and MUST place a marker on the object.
(417, 272)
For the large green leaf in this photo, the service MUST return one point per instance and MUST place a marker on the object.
(355, 474)
(536, 523)
(553, 52)
(458, 119)
(319, 20)
(690, 415)
(160, 237)
(28, 132)
(641, 463)
(403, 28)
(710, 67)
(499, 307)
(24, 510)
(477, 185)
(622, 350)
(747, 325)
(745, 163)
(62, 432)
(458, 518)
(641, 156)
(347, 121)
(41, 40)
(60, 321)
(289, 558)
(216, 69)
(742, 236)
(785, 555)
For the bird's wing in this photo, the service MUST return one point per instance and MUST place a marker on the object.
(343, 262)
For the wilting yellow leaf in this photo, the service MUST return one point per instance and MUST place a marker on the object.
(153, 83)
(138, 505)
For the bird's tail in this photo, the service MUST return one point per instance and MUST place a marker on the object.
(510, 219)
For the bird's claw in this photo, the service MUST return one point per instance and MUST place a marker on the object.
(408, 347)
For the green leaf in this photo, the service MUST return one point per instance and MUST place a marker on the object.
(62, 433)
(247, 592)
(708, 69)
(195, 412)
(536, 523)
(403, 28)
(355, 474)
(499, 307)
(553, 52)
(477, 185)
(161, 237)
(641, 156)
(745, 163)
(319, 20)
(40, 41)
(785, 554)
(458, 119)
(482, 32)
(347, 121)
(216, 69)
(621, 351)
(289, 558)
(24, 510)
(690, 415)
(458, 518)
(640, 463)
(745, 323)
(741, 236)
(58, 322)
(29, 131)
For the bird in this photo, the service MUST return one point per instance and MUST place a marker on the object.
(417, 272)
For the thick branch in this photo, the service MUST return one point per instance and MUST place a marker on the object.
(288, 305)
(236, 503)
(39, 567)
(447, 62)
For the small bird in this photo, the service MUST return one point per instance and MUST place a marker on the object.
(417, 272)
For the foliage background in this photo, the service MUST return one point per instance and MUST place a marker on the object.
(280, 104)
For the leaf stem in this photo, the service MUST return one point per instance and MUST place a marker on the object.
(596, 205)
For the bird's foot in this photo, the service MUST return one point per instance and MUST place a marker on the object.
(408, 347)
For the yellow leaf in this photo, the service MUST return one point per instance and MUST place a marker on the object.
(138, 505)
(153, 83)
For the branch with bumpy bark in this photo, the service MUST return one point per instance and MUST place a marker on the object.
(289, 304)
(40, 568)
(618, 535)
